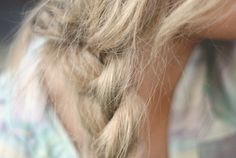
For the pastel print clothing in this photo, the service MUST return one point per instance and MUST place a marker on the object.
(29, 128)
(203, 115)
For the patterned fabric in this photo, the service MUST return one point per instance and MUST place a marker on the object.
(29, 128)
(203, 115)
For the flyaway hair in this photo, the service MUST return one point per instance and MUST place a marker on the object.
(90, 60)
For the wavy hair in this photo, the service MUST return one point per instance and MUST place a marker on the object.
(91, 60)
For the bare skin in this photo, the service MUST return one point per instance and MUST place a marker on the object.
(159, 105)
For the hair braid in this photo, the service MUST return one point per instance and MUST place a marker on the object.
(89, 61)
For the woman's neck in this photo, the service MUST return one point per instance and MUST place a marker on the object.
(164, 82)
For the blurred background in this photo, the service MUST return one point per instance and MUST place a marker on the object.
(11, 14)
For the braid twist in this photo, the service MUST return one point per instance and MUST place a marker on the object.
(90, 60)
(109, 108)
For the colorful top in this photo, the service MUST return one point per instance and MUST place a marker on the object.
(29, 128)
(202, 123)
(203, 115)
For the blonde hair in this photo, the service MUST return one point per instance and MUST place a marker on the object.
(91, 59)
